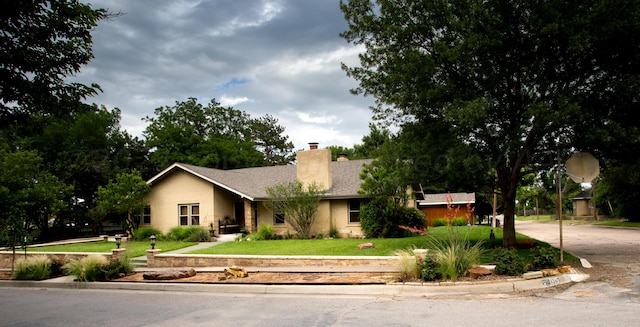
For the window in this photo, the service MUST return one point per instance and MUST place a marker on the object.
(146, 215)
(189, 214)
(354, 211)
(278, 218)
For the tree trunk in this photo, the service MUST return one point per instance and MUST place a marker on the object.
(508, 183)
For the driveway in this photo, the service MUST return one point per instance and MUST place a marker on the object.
(613, 252)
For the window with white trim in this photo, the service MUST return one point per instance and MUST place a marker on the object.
(354, 211)
(146, 215)
(189, 214)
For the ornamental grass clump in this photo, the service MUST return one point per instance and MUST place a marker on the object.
(33, 268)
(407, 265)
(87, 269)
(455, 255)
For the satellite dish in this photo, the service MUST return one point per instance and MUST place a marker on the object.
(582, 167)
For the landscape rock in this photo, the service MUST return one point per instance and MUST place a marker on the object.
(477, 272)
(169, 274)
(367, 245)
(235, 272)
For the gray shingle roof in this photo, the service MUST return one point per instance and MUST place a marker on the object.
(251, 182)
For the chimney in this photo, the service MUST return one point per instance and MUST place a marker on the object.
(342, 157)
(314, 166)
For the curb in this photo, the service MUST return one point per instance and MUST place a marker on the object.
(393, 289)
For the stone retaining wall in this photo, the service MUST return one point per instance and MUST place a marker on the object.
(157, 260)
(6, 257)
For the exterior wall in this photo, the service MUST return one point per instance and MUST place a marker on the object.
(180, 188)
(330, 212)
(223, 204)
(314, 166)
(340, 219)
(437, 212)
(581, 208)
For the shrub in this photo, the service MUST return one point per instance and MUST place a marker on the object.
(265, 232)
(439, 222)
(544, 257)
(455, 255)
(143, 234)
(407, 265)
(116, 268)
(189, 234)
(381, 218)
(33, 268)
(508, 262)
(87, 269)
(333, 232)
(460, 221)
(97, 268)
(429, 268)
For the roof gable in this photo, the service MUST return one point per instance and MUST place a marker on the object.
(250, 183)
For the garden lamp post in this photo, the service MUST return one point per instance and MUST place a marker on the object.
(153, 241)
(118, 240)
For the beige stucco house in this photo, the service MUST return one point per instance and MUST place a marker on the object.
(227, 200)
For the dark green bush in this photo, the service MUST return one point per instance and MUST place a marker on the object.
(381, 218)
(544, 257)
(460, 221)
(265, 232)
(508, 262)
(439, 222)
(143, 234)
(115, 268)
(189, 234)
(429, 268)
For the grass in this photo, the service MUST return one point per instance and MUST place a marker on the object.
(615, 223)
(134, 248)
(348, 247)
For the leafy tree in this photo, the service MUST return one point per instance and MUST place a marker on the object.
(211, 136)
(86, 150)
(298, 203)
(514, 80)
(124, 196)
(42, 42)
(29, 196)
(268, 138)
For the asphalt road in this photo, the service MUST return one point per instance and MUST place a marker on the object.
(613, 252)
(58, 307)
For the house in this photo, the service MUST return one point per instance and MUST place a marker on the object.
(582, 204)
(228, 200)
(434, 206)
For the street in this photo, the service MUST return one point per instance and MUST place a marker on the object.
(58, 307)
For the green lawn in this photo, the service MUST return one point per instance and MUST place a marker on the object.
(348, 247)
(615, 223)
(134, 249)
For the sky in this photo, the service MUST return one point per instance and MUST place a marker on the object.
(277, 57)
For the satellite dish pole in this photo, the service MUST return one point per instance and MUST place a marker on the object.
(559, 185)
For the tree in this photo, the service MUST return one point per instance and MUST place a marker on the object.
(213, 136)
(124, 196)
(268, 138)
(298, 204)
(41, 43)
(514, 80)
(29, 196)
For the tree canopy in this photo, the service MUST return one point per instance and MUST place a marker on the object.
(42, 42)
(214, 136)
(297, 203)
(514, 81)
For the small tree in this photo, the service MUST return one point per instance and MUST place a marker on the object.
(125, 195)
(297, 202)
